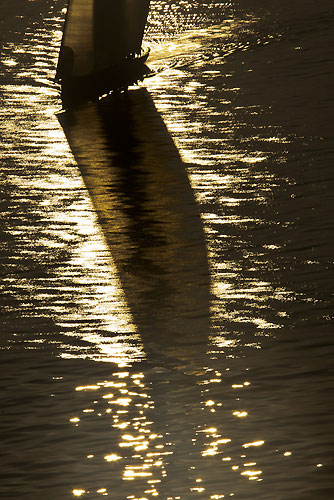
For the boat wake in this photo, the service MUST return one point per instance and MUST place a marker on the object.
(197, 46)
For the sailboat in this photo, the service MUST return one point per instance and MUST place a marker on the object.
(101, 48)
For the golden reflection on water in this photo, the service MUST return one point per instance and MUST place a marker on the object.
(78, 493)
(141, 454)
(206, 406)
(91, 267)
(228, 179)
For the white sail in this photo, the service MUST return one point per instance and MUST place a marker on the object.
(100, 33)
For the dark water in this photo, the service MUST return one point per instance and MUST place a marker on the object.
(167, 261)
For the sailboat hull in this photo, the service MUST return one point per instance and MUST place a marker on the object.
(90, 87)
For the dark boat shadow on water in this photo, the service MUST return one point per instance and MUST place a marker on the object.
(152, 226)
(149, 217)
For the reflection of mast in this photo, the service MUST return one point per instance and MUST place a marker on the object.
(149, 217)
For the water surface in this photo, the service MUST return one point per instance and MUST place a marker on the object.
(167, 261)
